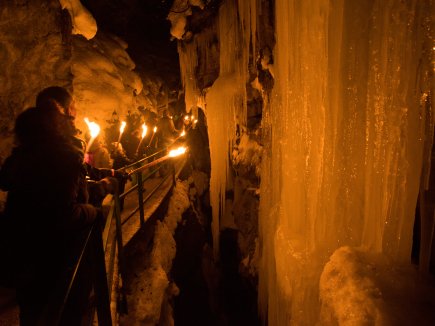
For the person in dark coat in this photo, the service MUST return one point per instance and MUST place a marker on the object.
(58, 98)
(166, 131)
(120, 160)
(42, 216)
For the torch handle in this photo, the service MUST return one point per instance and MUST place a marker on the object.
(151, 164)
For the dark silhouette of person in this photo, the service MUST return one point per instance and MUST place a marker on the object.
(166, 131)
(42, 216)
(120, 160)
(198, 143)
(58, 98)
(166, 135)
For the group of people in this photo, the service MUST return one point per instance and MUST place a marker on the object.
(47, 204)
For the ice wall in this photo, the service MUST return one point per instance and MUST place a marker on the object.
(346, 132)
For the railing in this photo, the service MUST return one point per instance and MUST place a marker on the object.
(99, 245)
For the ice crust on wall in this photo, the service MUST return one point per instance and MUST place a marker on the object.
(346, 133)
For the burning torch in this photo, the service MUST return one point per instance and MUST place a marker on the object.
(173, 153)
(121, 131)
(94, 130)
(144, 132)
(152, 137)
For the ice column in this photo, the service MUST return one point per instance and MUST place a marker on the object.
(225, 107)
(346, 140)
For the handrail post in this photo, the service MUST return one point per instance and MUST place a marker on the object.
(100, 280)
(173, 173)
(140, 196)
(121, 261)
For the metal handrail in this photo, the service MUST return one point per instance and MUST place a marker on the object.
(102, 279)
(93, 244)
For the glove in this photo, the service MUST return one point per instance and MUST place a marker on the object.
(122, 175)
(110, 185)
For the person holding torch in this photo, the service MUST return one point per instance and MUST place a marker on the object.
(43, 218)
(56, 97)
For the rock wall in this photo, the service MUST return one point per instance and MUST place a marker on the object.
(35, 52)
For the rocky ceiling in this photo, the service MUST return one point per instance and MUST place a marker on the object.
(144, 26)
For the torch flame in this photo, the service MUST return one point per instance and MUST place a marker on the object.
(186, 117)
(94, 129)
(144, 130)
(177, 152)
(196, 120)
(123, 124)
(155, 128)
(183, 133)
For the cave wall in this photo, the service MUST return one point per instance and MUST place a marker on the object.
(103, 79)
(35, 52)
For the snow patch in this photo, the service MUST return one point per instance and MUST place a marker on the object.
(248, 152)
(154, 283)
(361, 288)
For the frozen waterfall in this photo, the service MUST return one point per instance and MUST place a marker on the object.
(348, 136)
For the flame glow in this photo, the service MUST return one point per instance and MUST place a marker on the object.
(155, 128)
(176, 152)
(94, 128)
(186, 117)
(123, 124)
(183, 133)
(144, 130)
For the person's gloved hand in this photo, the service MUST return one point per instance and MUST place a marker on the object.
(110, 185)
(122, 176)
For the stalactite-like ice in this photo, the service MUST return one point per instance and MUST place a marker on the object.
(225, 101)
(346, 143)
(222, 101)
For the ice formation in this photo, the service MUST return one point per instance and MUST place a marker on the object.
(347, 142)
(178, 14)
(347, 133)
(82, 20)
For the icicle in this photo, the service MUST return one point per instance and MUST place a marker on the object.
(225, 107)
(195, 55)
(188, 57)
